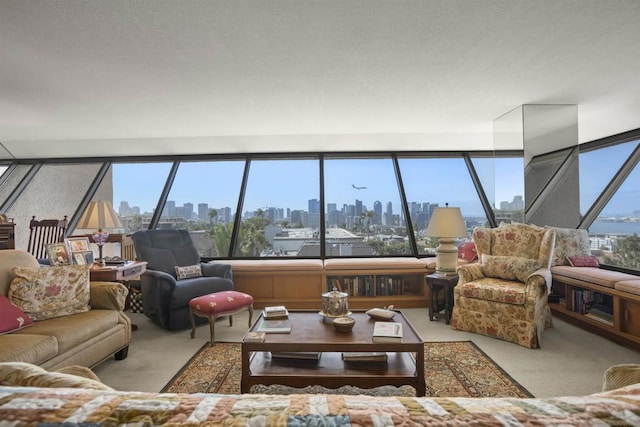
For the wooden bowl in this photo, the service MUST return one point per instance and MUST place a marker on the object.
(343, 324)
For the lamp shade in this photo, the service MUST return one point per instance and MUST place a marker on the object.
(99, 215)
(446, 222)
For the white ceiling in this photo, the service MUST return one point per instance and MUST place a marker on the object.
(87, 78)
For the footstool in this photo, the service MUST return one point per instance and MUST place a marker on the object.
(212, 306)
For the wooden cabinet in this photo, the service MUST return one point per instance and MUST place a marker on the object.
(601, 310)
(7, 235)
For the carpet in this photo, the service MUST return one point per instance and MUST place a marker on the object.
(452, 369)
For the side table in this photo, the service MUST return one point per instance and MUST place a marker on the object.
(436, 284)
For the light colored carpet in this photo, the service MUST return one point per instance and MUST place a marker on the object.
(571, 361)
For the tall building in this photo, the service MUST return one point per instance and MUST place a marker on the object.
(169, 209)
(188, 210)
(314, 206)
(377, 210)
(203, 212)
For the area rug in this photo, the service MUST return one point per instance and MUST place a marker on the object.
(452, 369)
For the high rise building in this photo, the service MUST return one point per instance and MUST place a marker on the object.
(377, 209)
(314, 206)
(203, 212)
(188, 210)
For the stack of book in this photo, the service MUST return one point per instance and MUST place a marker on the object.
(275, 312)
(306, 355)
(387, 332)
(365, 356)
(281, 326)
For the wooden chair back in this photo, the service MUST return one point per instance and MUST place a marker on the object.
(43, 233)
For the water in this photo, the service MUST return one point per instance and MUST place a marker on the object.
(609, 227)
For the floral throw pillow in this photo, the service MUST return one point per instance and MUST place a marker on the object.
(583, 261)
(188, 271)
(11, 317)
(570, 242)
(509, 267)
(48, 292)
(467, 251)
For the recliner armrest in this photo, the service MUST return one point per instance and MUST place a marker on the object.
(160, 276)
(216, 269)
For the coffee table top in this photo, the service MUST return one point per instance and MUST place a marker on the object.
(309, 332)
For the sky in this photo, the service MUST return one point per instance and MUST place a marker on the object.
(290, 184)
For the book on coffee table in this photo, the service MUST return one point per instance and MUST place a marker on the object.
(387, 332)
(282, 326)
(275, 312)
(306, 355)
(364, 356)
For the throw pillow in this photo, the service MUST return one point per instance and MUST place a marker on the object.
(188, 271)
(48, 292)
(509, 267)
(11, 317)
(467, 251)
(583, 261)
(21, 374)
(570, 242)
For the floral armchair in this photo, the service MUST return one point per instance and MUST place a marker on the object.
(504, 295)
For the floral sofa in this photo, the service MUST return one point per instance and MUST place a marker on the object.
(504, 295)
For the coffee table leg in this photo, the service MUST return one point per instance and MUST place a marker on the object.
(421, 389)
(245, 371)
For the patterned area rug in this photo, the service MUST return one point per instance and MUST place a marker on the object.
(452, 369)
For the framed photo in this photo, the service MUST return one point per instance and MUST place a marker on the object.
(58, 254)
(82, 257)
(78, 244)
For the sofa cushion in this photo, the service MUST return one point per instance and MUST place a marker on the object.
(22, 374)
(73, 330)
(11, 317)
(188, 271)
(596, 276)
(570, 242)
(30, 348)
(509, 267)
(631, 286)
(467, 251)
(374, 263)
(47, 292)
(494, 289)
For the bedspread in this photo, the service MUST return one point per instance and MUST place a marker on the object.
(57, 406)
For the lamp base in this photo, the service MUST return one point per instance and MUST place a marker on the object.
(446, 257)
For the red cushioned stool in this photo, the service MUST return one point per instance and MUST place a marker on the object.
(212, 306)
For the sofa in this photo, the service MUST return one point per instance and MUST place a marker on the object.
(21, 406)
(86, 337)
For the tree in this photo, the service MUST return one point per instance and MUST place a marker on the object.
(213, 214)
(136, 223)
(627, 253)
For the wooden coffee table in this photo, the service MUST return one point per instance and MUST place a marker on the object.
(309, 333)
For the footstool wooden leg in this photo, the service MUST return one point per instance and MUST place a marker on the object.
(212, 322)
(230, 320)
(250, 314)
(193, 323)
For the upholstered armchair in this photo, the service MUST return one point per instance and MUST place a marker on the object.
(504, 294)
(175, 275)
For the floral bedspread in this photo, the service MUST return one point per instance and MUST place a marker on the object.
(69, 407)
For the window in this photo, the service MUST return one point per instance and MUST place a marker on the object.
(280, 213)
(615, 234)
(364, 214)
(434, 182)
(203, 199)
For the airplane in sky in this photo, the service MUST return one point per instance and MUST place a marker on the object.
(358, 188)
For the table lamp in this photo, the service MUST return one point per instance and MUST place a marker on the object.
(99, 215)
(446, 224)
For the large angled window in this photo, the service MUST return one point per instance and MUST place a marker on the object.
(615, 234)
(597, 167)
(434, 182)
(281, 211)
(364, 214)
(203, 199)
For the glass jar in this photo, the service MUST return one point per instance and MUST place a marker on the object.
(334, 304)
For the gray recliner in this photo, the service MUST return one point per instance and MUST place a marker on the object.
(165, 300)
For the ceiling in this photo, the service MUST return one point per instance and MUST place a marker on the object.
(150, 77)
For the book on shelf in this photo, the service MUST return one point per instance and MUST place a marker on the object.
(600, 316)
(387, 332)
(364, 356)
(282, 326)
(275, 312)
(306, 355)
(254, 337)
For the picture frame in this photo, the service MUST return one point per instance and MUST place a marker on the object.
(78, 244)
(58, 254)
(82, 257)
